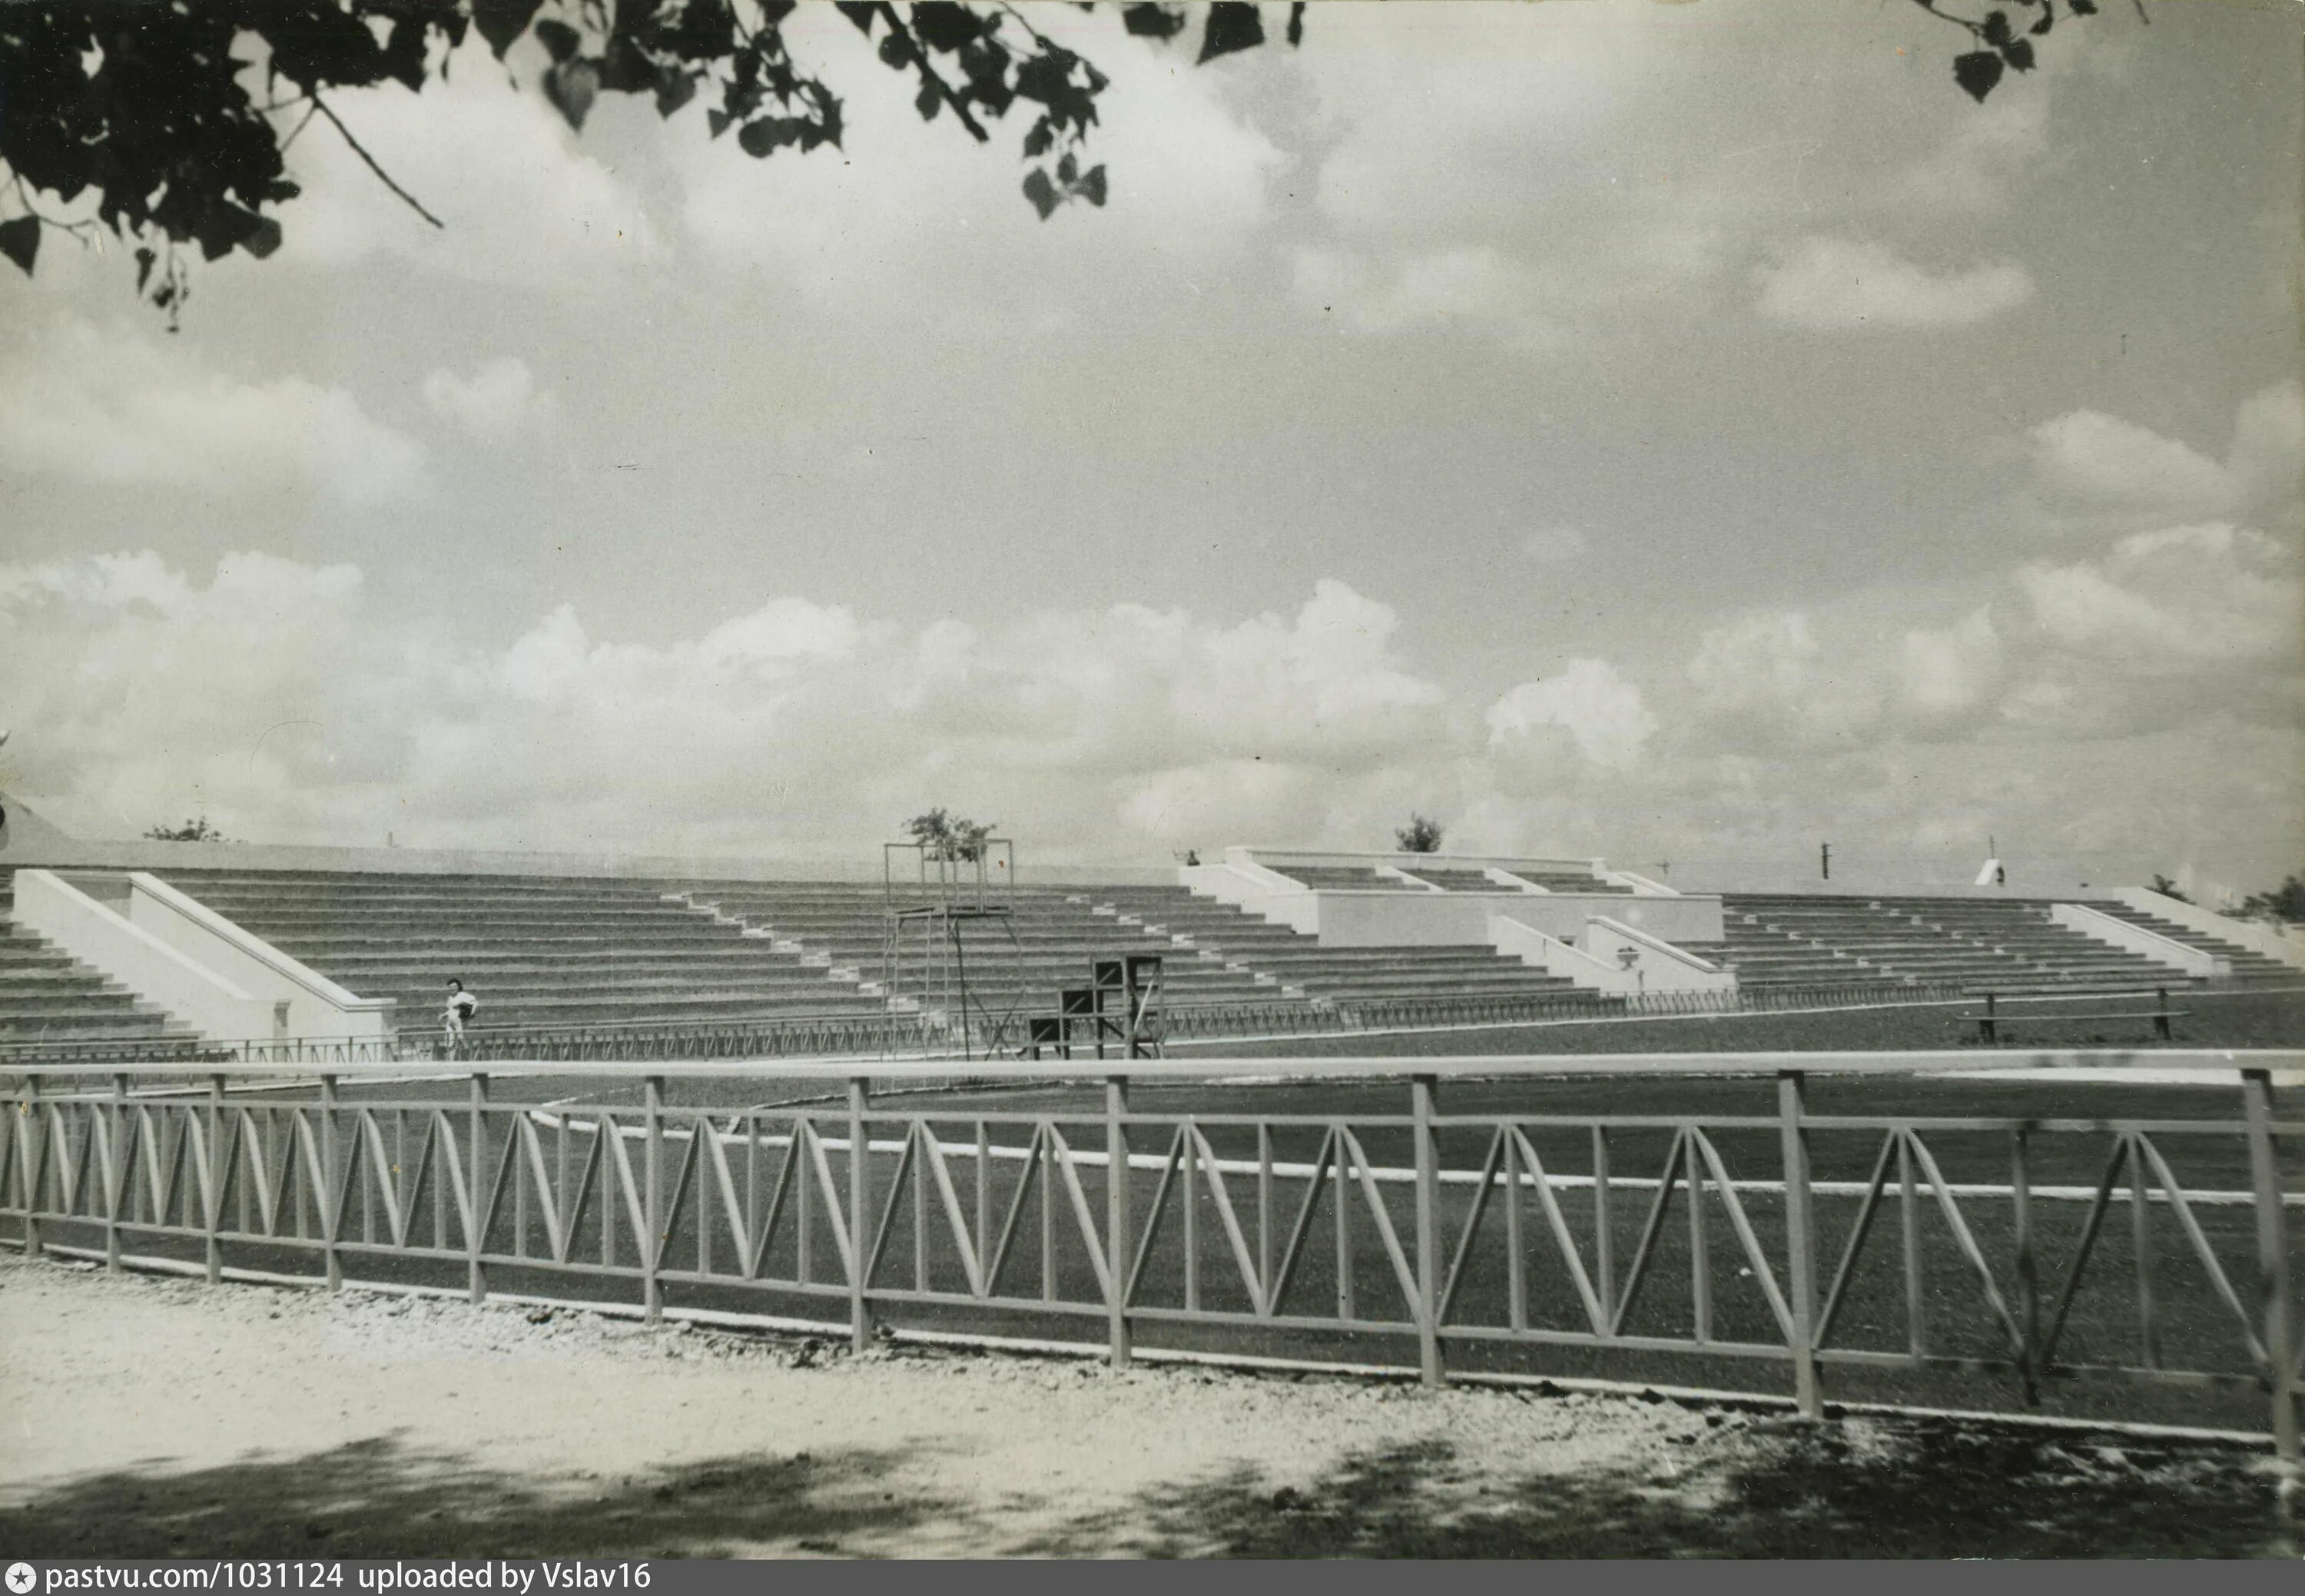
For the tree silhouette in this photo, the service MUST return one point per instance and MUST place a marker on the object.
(191, 831)
(2284, 902)
(946, 838)
(1420, 835)
(175, 115)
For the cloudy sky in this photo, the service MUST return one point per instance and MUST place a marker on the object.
(1682, 433)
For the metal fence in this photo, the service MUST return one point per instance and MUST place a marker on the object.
(1459, 1205)
(887, 1034)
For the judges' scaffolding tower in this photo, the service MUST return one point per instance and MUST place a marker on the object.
(937, 898)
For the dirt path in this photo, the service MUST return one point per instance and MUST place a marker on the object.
(145, 1416)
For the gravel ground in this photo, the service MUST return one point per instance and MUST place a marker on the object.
(152, 1416)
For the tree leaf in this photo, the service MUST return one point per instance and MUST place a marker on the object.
(558, 37)
(144, 261)
(263, 238)
(674, 89)
(2082, 8)
(571, 87)
(1148, 21)
(860, 15)
(1996, 28)
(1092, 187)
(1038, 188)
(2019, 53)
(501, 22)
(20, 241)
(928, 101)
(1296, 23)
(1977, 71)
(1232, 25)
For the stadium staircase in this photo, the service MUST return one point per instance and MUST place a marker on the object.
(2249, 966)
(47, 995)
(541, 953)
(2005, 945)
(1298, 965)
(1050, 939)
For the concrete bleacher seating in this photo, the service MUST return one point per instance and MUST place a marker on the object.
(47, 995)
(1979, 943)
(1564, 881)
(539, 952)
(1338, 878)
(1459, 881)
(1340, 975)
(2250, 967)
(1043, 943)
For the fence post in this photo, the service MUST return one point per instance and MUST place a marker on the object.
(1428, 1234)
(476, 1276)
(115, 1173)
(332, 1218)
(1800, 1242)
(2271, 1258)
(28, 1163)
(1117, 1251)
(213, 1215)
(860, 1154)
(2028, 1267)
(652, 1245)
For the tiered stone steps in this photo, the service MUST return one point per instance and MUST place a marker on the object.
(2249, 966)
(1046, 943)
(1564, 881)
(539, 952)
(1458, 881)
(2002, 944)
(47, 995)
(1298, 963)
(1340, 878)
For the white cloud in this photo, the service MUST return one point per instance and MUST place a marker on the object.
(523, 204)
(116, 407)
(274, 697)
(1949, 673)
(1601, 711)
(494, 403)
(282, 701)
(2095, 458)
(1187, 175)
(1837, 283)
(2099, 473)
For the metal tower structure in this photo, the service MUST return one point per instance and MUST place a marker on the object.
(935, 896)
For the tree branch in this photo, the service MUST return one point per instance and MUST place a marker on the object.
(1974, 30)
(382, 175)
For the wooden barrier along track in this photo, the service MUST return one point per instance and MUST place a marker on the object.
(1449, 1228)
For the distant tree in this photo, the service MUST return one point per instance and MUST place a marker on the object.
(1420, 835)
(2284, 902)
(949, 839)
(2168, 888)
(148, 108)
(191, 831)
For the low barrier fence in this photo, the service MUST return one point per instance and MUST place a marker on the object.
(910, 1035)
(1462, 1207)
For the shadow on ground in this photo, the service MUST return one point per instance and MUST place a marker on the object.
(1912, 1490)
(380, 1498)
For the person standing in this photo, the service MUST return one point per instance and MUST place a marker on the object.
(458, 1013)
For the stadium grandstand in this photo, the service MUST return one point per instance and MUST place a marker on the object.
(162, 946)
